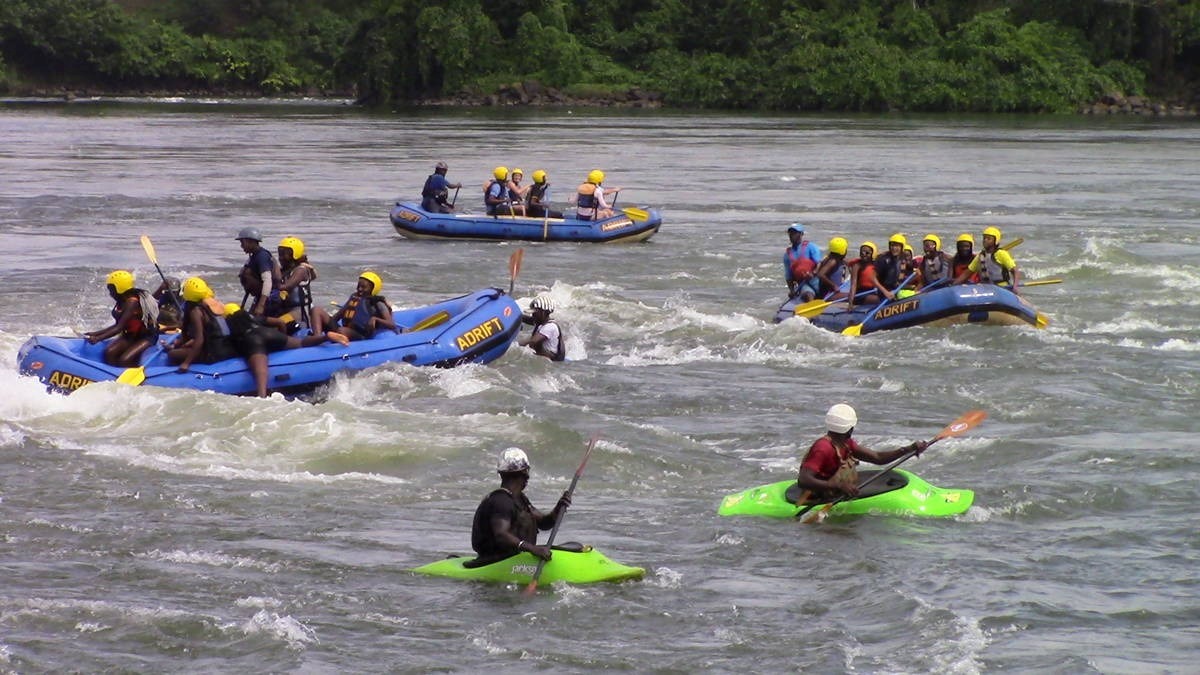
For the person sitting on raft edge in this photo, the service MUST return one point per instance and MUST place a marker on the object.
(135, 321)
(363, 313)
(435, 193)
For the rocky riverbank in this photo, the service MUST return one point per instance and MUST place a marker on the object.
(1118, 104)
(535, 94)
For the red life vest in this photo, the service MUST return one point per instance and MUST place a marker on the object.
(803, 268)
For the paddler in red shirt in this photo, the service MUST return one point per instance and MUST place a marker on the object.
(829, 467)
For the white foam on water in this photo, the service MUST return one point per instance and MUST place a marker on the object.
(67, 527)
(954, 644)
(285, 628)
(1176, 345)
(210, 559)
(665, 577)
(461, 381)
(256, 602)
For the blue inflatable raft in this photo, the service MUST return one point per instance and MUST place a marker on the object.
(474, 328)
(627, 225)
(948, 305)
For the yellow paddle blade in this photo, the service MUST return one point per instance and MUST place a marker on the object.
(853, 331)
(636, 213)
(811, 308)
(431, 321)
(1042, 282)
(1013, 244)
(133, 376)
(149, 247)
(1042, 320)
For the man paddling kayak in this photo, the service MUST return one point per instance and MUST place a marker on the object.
(828, 469)
(505, 521)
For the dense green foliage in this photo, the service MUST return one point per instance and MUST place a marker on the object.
(935, 55)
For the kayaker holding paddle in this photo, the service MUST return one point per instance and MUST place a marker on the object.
(506, 523)
(828, 468)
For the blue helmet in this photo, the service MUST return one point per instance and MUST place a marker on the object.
(796, 227)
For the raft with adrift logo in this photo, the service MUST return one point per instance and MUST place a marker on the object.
(473, 328)
(985, 304)
(626, 225)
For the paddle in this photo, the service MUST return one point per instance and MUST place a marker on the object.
(514, 268)
(452, 201)
(148, 246)
(137, 375)
(968, 421)
(636, 213)
(431, 321)
(1041, 282)
(856, 329)
(537, 573)
(814, 307)
(1013, 244)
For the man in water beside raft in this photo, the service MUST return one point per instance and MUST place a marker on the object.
(828, 469)
(505, 522)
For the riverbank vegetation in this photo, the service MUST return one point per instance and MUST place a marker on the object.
(837, 55)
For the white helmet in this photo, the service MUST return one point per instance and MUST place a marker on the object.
(512, 460)
(840, 418)
(544, 302)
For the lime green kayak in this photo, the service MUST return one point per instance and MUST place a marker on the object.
(898, 493)
(576, 564)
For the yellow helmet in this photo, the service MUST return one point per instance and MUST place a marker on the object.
(838, 245)
(908, 248)
(295, 245)
(375, 281)
(539, 176)
(870, 245)
(898, 239)
(195, 290)
(231, 307)
(992, 232)
(120, 280)
(965, 236)
(937, 241)
(595, 177)
(515, 172)
(500, 172)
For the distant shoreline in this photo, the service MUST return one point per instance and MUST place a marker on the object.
(533, 95)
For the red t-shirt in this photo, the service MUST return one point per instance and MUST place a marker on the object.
(823, 459)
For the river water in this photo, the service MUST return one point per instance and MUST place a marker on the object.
(152, 530)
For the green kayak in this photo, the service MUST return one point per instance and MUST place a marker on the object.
(898, 493)
(573, 563)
